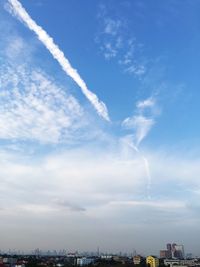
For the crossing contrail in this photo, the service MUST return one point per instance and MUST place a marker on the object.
(18, 10)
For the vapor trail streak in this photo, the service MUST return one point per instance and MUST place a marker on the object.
(21, 13)
(146, 165)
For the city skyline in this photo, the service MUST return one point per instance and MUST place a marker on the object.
(107, 254)
(99, 131)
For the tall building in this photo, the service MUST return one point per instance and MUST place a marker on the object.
(165, 254)
(152, 261)
(169, 247)
(179, 252)
(173, 250)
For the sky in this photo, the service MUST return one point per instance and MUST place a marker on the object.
(99, 125)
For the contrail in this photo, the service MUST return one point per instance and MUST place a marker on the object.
(21, 14)
(142, 125)
(146, 166)
(146, 163)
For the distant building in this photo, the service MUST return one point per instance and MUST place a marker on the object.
(106, 257)
(152, 261)
(189, 256)
(177, 262)
(71, 259)
(9, 261)
(174, 251)
(84, 261)
(165, 254)
(179, 252)
(169, 247)
(19, 265)
(137, 259)
(120, 259)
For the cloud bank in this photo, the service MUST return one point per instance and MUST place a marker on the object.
(62, 193)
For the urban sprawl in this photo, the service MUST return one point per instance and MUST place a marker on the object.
(172, 256)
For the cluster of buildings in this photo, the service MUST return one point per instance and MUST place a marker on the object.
(172, 256)
(7, 261)
(153, 261)
(173, 251)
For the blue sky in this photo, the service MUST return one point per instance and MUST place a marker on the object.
(110, 151)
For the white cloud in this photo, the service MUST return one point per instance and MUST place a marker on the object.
(138, 70)
(147, 103)
(117, 43)
(34, 108)
(75, 180)
(132, 60)
(141, 123)
(112, 26)
(85, 188)
(17, 10)
(109, 51)
(15, 47)
(155, 204)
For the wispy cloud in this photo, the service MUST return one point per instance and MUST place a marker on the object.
(143, 119)
(132, 60)
(147, 103)
(15, 48)
(109, 51)
(164, 204)
(110, 36)
(140, 124)
(112, 26)
(116, 43)
(17, 9)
